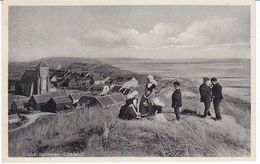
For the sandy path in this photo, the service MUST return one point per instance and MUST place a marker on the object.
(31, 119)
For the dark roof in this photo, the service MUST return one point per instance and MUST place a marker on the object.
(42, 64)
(87, 99)
(116, 88)
(58, 93)
(66, 81)
(42, 98)
(96, 89)
(118, 97)
(28, 76)
(126, 91)
(62, 100)
(106, 101)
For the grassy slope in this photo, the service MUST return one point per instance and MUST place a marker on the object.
(98, 132)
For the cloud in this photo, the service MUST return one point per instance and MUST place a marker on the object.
(213, 32)
(216, 37)
(132, 38)
(207, 32)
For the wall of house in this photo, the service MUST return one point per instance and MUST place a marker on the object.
(50, 107)
(32, 103)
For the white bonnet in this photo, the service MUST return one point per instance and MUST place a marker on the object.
(132, 95)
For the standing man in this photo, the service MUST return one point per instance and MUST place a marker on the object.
(205, 95)
(177, 99)
(217, 97)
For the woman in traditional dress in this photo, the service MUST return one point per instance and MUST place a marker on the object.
(149, 94)
(130, 110)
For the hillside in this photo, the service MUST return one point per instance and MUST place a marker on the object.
(16, 69)
(99, 132)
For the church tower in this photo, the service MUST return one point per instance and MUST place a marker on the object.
(42, 78)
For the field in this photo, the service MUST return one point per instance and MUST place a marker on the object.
(99, 132)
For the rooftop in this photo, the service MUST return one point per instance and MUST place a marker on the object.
(42, 98)
(61, 100)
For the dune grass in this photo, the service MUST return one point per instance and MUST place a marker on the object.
(99, 132)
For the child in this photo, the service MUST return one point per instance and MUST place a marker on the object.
(177, 99)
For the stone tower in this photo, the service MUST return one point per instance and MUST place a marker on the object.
(42, 78)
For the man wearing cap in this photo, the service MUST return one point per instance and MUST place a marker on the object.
(217, 97)
(177, 99)
(205, 95)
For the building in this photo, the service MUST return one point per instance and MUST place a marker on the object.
(96, 89)
(38, 102)
(100, 80)
(56, 104)
(119, 98)
(105, 101)
(19, 105)
(115, 88)
(74, 97)
(34, 81)
(11, 85)
(54, 79)
(87, 101)
(58, 93)
(125, 91)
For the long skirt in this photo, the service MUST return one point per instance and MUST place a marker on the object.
(127, 113)
(142, 108)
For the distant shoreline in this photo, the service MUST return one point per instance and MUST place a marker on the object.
(127, 59)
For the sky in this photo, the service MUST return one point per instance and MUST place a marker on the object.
(160, 32)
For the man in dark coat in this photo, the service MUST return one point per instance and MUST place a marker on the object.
(217, 97)
(205, 96)
(177, 99)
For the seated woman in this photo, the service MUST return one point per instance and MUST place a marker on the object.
(130, 110)
(149, 95)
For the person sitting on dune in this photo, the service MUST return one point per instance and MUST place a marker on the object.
(149, 95)
(130, 110)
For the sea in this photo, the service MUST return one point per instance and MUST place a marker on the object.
(233, 74)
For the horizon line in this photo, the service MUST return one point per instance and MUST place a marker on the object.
(97, 58)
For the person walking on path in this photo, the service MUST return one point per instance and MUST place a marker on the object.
(217, 97)
(205, 96)
(177, 99)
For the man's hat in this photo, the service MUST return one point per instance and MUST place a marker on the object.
(176, 83)
(213, 79)
(205, 79)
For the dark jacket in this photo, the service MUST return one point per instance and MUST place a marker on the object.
(176, 99)
(217, 93)
(205, 93)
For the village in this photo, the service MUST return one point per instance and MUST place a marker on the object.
(41, 89)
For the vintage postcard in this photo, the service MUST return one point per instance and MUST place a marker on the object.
(128, 80)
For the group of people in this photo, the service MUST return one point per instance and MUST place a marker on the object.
(211, 91)
(150, 104)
